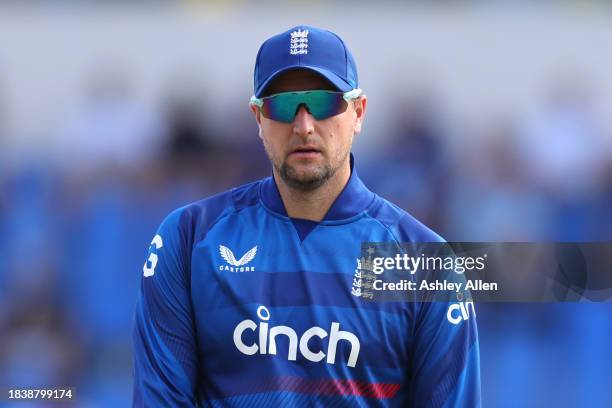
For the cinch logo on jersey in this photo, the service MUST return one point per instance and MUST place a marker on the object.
(458, 312)
(268, 335)
(237, 265)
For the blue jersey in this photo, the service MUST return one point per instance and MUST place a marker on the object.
(242, 306)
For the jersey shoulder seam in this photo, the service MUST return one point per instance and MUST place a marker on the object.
(387, 227)
(232, 210)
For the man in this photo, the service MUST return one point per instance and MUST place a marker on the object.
(247, 298)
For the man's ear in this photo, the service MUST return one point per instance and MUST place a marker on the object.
(360, 110)
(257, 113)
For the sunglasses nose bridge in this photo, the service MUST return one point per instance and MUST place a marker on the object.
(302, 109)
(303, 122)
(299, 107)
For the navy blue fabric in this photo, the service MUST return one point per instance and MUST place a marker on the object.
(303, 227)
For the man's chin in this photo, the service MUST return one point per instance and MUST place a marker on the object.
(303, 178)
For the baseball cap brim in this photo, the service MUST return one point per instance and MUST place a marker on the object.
(338, 82)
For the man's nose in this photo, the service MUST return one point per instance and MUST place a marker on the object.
(303, 123)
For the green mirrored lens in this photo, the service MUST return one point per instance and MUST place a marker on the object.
(321, 104)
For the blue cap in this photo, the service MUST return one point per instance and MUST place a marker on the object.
(305, 47)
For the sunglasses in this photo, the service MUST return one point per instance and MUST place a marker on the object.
(283, 107)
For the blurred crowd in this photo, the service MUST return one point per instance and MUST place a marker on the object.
(76, 221)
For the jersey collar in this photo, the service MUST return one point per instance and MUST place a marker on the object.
(354, 198)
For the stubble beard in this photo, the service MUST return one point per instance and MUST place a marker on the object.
(305, 182)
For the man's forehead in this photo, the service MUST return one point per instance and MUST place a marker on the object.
(299, 80)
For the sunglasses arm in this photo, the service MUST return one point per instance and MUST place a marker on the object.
(256, 101)
(354, 94)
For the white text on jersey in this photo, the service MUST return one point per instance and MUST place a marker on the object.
(267, 340)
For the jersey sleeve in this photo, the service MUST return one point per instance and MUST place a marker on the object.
(165, 355)
(445, 357)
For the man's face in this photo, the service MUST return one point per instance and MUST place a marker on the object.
(308, 152)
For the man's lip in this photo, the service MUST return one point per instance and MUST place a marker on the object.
(306, 149)
(305, 153)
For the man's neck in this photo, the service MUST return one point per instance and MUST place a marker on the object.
(313, 205)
